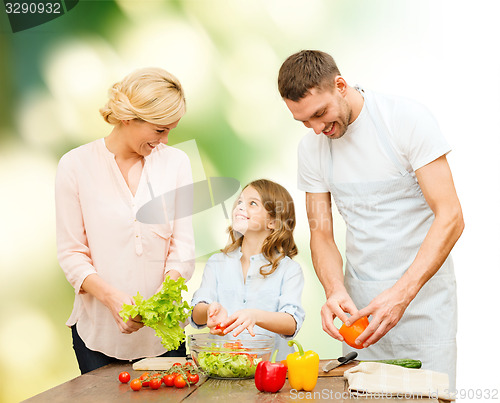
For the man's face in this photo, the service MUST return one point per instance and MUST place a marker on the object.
(325, 111)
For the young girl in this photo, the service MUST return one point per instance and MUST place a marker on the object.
(254, 284)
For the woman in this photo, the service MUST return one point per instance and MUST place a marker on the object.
(105, 252)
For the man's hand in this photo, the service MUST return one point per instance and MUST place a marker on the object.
(386, 310)
(336, 306)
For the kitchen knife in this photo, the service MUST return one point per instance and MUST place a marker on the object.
(340, 361)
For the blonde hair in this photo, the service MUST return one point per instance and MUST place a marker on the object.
(149, 94)
(279, 243)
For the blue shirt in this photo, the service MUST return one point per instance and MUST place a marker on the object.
(279, 292)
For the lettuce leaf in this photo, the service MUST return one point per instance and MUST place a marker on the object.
(163, 311)
(228, 365)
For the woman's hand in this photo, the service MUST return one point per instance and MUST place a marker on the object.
(114, 302)
(113, 299)
(241, 320)
(336, 306)
(173, 274)
(216, 315)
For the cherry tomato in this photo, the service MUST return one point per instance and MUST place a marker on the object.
(351, 333)
(235, 346)
(155, 383)
(218, 326)
(145, 379)
(179, 381)
(177, 364)
(192, 378)
(168, 379)
(136, 384)
(188, 364)
(124, 377)
(250, 357)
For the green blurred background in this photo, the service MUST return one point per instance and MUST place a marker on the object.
(227, 53)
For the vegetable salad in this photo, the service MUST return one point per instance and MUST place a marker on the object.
(229, 362)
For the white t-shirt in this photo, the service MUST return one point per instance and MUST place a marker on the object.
(359, 156)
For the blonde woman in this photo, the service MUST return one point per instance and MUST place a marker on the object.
(254, 284)
(106, 254)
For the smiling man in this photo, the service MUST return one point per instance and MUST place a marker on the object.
(383, 160)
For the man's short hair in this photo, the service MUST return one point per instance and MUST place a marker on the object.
(305, 70)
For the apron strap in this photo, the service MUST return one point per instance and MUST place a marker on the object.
(382, 129)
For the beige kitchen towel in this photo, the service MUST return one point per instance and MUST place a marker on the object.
(385, 380)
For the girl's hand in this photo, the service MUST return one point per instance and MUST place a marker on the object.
(114, 302)
(241, 320)
(216, 315)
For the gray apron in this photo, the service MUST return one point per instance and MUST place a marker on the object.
(386, 223)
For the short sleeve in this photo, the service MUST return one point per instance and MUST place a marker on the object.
(309, 175)
(417, 134)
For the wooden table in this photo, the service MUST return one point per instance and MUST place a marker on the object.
(102, 385)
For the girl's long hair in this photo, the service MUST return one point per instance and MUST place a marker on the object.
(280, 243)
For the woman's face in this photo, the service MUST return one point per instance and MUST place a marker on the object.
(250, 215)
(142, 137)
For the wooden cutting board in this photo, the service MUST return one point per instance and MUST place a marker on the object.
(157, 363)
(339, 371)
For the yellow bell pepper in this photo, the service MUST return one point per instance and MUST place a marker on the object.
(302, 368)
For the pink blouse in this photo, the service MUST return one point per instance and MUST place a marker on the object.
(97, 232)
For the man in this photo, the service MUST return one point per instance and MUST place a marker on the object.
(383, 160)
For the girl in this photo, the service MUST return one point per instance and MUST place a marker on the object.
(254, 284)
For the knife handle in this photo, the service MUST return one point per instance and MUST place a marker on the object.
(349, 357)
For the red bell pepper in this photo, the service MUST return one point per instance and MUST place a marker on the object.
(270, 376)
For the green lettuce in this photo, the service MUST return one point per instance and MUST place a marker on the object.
(163, 311)
(228, 365)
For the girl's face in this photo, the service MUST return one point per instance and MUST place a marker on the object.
(250, 215)
(142, 137)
